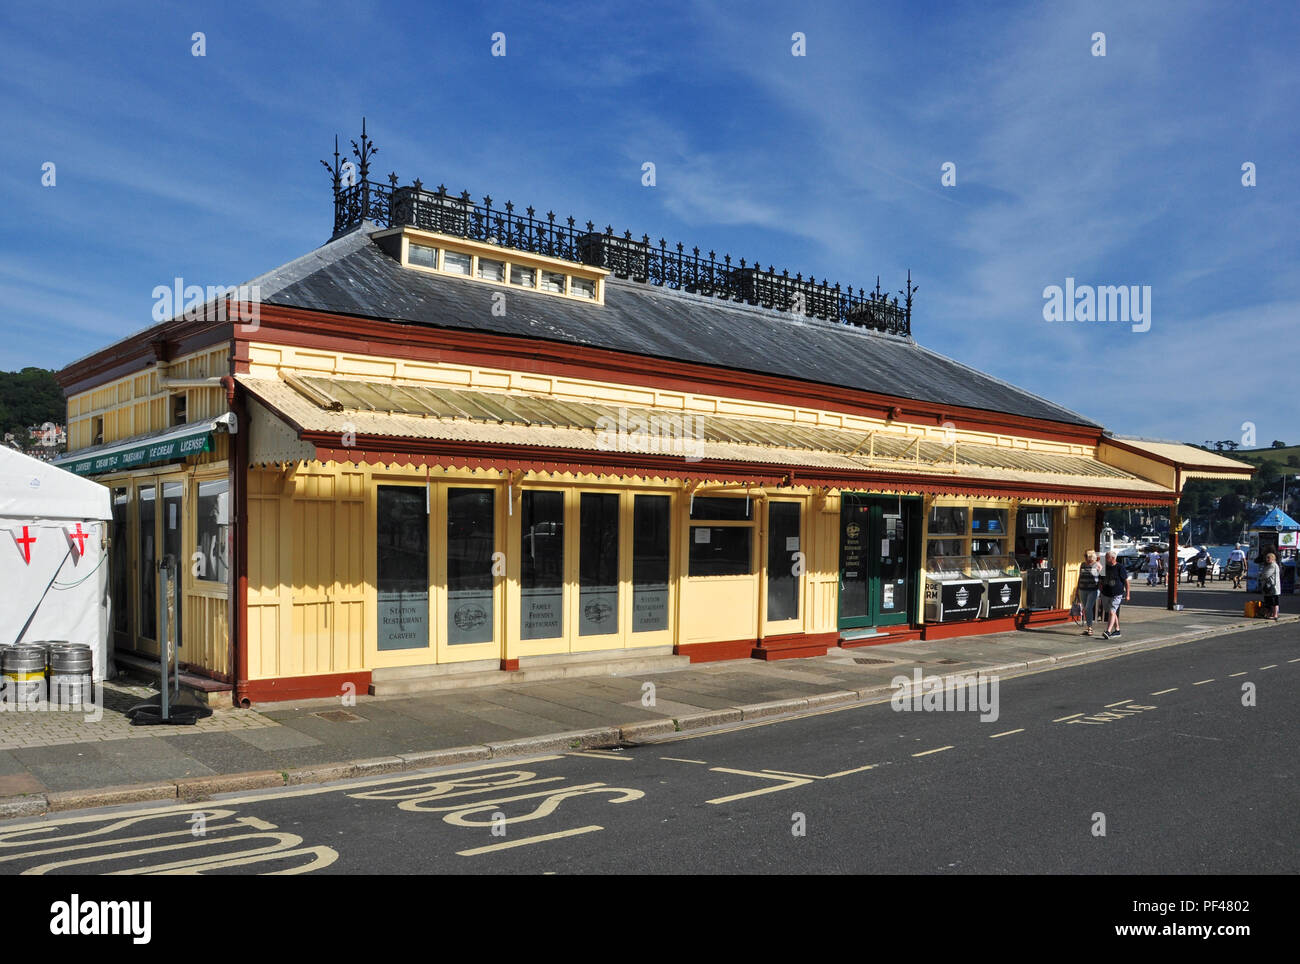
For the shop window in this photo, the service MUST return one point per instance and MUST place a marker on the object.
(541, 571)
(651, 522)
(471, 540)
(989, 522)
(722, 550)
(212, 532)
(402, 591)
(422, 255)
(597, 564)
(721, 508)
(1034, 538)
(947, 520)
(524, 277)
(121, 591)
(782, 549)
(490, 270)
(454, 262)
(147, 514)
(936, 548)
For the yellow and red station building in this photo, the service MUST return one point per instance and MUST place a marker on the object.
(459, 439)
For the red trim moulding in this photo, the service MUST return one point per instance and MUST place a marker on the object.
(982, 627)
(794, 646)
(715, 652)
(890, 634)
(1044, 617)
(305, 687)
(301, 328)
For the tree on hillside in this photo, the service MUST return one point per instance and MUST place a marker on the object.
(1278, 445)
(30, 397)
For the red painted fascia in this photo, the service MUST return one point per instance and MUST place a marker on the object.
(508, 458)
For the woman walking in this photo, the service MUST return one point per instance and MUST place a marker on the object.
(1270, 584)
(1086, 592)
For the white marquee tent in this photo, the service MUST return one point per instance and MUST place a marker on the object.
(54, 529)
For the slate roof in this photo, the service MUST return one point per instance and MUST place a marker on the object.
(352, 275)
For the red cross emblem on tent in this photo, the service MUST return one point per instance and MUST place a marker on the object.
(25, 545)
(79, 537)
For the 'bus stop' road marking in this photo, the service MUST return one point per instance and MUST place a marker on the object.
(1163, 692)
(1007, 733)
(939, 749)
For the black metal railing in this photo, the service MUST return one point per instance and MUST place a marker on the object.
(358, 199)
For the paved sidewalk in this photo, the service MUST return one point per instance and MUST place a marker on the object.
(92, 764)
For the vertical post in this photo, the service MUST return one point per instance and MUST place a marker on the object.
(1174, 527)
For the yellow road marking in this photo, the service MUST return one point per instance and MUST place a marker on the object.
(1120, 703)
(1163, 692)
(1203, 682)
(600, 756)
(1296, 660)
(786, 784)
(1269, 666)
(347, 786)
(525, 841)
(1064, 718)
(936, 750)
(280, 842)
(1231, 675)
(675, 759)
(845, 773)
(1007, 733)
(787, 773)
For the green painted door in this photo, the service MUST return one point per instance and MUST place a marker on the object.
(876, 569)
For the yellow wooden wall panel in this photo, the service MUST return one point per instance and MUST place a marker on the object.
(719, 608)
(206, 632)
(1080, 529)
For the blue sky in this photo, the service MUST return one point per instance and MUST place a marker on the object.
(1117, 170)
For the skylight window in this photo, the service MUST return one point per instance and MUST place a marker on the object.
(524, 277)
(453, 262)
(490, 270)
(553, 282)
(423, 255)
(582, 288)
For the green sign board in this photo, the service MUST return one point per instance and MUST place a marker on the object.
(172, 449)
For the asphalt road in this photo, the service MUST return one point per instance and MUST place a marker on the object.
(1157, 745)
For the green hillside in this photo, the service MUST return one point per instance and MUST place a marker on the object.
(29, 397)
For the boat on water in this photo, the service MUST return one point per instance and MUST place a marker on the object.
(1134, 551)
